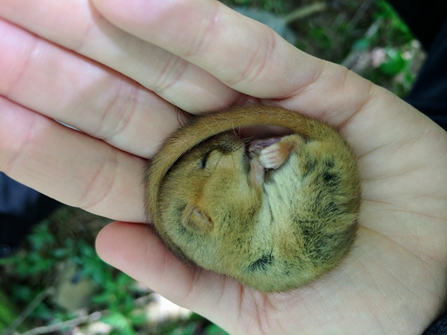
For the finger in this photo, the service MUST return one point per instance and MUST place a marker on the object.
(241, 52)
(70, 166)
(249, 57)
(85, 32)
(137, 250)
(100, 102)
(120, 242)
(244, 54)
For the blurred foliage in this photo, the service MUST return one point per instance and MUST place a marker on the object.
(348, 26)
(35, 269)
(400, 55)
(395, 30)
(8, 311)
(193, 325)
(274, 6)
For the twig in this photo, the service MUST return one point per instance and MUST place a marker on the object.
(70, 323)
(302, 12)
(353, 57)
(360, 12)
(28, 310)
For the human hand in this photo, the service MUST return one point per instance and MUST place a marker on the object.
(394, 279)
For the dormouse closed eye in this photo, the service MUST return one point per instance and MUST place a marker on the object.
(205, 159)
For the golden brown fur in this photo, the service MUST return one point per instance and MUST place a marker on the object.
(274, 215)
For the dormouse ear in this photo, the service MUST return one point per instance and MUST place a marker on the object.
(196, 220)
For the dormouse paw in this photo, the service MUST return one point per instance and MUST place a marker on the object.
(256, 146)
(273, 156)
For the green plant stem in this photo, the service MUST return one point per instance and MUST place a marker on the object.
(360, 12)
(352, 58)
(69, 323)
(305, 11)
(28, 310)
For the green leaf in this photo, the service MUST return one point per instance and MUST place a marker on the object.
(320, 37)
(187, 330)
(116, 320)
(41, 237)
(196, 317)
(119, 322)
(43, 312)
(61, 252)
(22, 293)
(215, 330)
(101, 298)
(8, 311)
(393, 64)
(395, 25)
(123, 279)
(361, 44)
(138, 318)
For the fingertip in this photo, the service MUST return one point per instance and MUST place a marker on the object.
(112, 242)
(136, 250)
(116, 11)
(110, 9)
(124, 13)
(103, 241)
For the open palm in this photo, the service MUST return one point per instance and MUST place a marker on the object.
(122, 85)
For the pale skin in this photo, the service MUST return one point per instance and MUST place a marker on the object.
(122, 84)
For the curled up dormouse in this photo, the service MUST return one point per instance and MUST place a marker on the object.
(275, 212)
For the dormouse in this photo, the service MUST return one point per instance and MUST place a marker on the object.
(274, 212)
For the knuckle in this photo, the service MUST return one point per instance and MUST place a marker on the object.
(99, 185)
(205, 34)
(173, 69)
(260, 64)
(117, 114)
